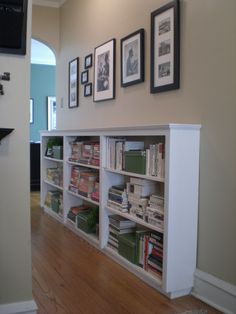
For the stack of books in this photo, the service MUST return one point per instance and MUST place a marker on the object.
(75, 178)
(117, 198)
(75, 210)
(138, 191)
(118, 225)
(87, 152)
(155, 211)
(87, 182)
(55, 175)
(155, 160)
(154, 254)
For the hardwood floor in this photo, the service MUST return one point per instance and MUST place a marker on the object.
(71, 276)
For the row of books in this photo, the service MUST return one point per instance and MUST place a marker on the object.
(84, 182)
(141, 198)
(55, 175)
(142, 247)
(154, 154)
(85, 152)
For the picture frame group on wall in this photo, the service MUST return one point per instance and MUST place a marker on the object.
(132, 58)
(73, 83)
(165, 48)
(88, 61)
(104, 71)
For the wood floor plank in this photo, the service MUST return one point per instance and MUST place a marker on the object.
(71, 277)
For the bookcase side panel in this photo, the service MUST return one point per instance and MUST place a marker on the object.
(182, 209)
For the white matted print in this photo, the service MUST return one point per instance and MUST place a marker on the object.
(104, 71)
(73, 83)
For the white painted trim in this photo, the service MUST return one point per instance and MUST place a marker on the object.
(215, 292)
(48, 3)
(26, 307)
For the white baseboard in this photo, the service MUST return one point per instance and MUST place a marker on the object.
(26, 307)
(215, 292)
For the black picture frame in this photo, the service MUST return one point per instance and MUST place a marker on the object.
(104, 71)
(88, 61)
(13, 20)
(84, 77)
(165, 48)
(73, 91)
(88, 90)
(132, 58)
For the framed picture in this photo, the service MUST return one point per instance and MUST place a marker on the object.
(132, 58)
(84, 77)
(87, 89)
(31, 110)
(52, 110)
(104, 71)
(88, 61)
(165, 48)
(73, 83)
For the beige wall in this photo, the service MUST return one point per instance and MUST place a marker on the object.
(45, 26)
(207, 95)
(15, 249)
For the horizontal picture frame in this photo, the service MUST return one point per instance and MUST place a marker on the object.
(132, 58)
(165, 48)
(104, 71)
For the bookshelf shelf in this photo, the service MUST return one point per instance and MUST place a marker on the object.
(83, 198)
(170, 168)
(135, 219)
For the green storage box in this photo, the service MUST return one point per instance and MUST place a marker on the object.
(135, 161)
(87, 220)
(127, 246)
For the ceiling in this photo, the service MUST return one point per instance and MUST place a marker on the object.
(49, 3)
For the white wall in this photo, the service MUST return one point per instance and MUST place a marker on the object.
(207, 95)
(15, 249)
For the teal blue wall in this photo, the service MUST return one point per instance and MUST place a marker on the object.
(43, 82)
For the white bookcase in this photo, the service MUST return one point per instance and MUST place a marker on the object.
(180, 186)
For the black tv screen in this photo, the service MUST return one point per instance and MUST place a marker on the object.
(13, 21)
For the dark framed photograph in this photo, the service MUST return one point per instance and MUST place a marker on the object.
(165, 48)
(31, 110)
(88, 61)
(73, 83)
(132, 58)
(84, 77)
(88, 90)
(104, 71)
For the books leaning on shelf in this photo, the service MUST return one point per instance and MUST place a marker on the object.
(85, 152)
(155, 160)
(75, 210)
(118, 225)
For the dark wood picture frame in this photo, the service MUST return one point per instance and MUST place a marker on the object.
(104, 71)
(88, 90)
(73, 91)
(165, 48)
(88, 61)
(132, 58)
(84, 77)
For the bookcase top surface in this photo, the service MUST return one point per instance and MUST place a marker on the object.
(168, 126)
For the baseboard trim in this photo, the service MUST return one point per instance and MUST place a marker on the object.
(215, 292)
(26, 307)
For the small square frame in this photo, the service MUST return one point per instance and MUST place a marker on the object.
(88, 61)
(84, 77)
(88, 90)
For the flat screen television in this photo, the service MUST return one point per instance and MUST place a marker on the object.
(13, 22)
